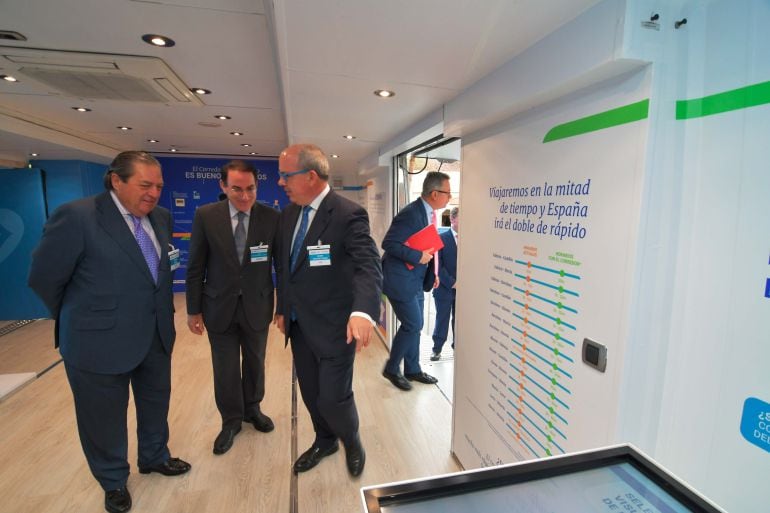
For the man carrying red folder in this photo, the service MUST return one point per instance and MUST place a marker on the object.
(404, 247)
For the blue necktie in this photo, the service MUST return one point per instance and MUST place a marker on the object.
(146, 246)
(296, 247)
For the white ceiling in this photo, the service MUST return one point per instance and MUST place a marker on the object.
(286, 70)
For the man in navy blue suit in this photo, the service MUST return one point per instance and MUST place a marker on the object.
(329, 282)
(404, 286)
(444, 295)
(103, 270)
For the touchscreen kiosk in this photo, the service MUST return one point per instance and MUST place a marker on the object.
(611, 480)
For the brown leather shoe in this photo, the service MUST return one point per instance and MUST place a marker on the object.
(117, 501)
(170, 467)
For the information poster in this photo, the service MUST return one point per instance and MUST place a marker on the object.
(548, 262)
(192, 182)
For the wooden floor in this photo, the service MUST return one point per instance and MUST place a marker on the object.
(42, 468)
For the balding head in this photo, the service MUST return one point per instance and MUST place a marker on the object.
(304, 172)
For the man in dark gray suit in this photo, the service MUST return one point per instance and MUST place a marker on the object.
(329, 282)
(102, 269)
(230, 292)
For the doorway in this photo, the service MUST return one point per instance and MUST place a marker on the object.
(411, 167)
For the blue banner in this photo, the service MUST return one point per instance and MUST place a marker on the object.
(22, 215)
(192, 182)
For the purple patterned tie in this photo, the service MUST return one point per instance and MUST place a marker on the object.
(147, 247)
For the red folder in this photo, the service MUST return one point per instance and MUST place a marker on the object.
(426, 238)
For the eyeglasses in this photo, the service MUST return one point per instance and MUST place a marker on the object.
(443, 192)
(250, 190)
(292, 173)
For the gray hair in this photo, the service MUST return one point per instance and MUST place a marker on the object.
(312, 157)
(433, 182)
(123, 166)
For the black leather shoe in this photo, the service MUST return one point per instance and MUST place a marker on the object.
(261, 422)
(355, 457)
(398, 380)
(313, 457)
(422, 378)
(170, 467)
(117, 501)
(224, 439)
(435, 356)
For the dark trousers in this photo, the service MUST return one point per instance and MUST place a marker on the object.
(444, 308)
(238, 359)
(326, 385)
(101, 402)
(406, 343)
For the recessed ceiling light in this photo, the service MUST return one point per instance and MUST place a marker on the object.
(335, 156)
(246, 145)
(124, 128)
(9, 78)
(81, 109)
(152, 140)
(384, 93)
(236, 133)
(157, 40)
(349, 137)
(200, 90)
(33, 154)
(222, 116)
(172, 150)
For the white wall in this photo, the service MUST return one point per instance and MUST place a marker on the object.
(718, 241)
(688, 333)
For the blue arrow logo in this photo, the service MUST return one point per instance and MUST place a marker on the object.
(11, 232)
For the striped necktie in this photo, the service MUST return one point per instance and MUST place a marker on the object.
(296, 247)
(240, 236)
(435, 255)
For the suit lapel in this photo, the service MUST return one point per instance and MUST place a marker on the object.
(251, 237)
(158, 223)
(110, 218)
(423, 214)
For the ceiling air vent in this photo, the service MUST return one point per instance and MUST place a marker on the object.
(96, 76)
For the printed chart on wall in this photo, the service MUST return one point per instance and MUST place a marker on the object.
(554, 227)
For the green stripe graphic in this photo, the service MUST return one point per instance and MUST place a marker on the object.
(741, 98)
(614, 117)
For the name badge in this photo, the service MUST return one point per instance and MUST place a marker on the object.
(173, 259)
(259, 253)
(319, 255)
